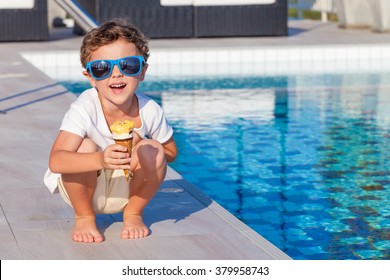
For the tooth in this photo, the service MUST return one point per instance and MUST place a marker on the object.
(118, 86)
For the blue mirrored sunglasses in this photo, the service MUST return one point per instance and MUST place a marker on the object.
(102, 69)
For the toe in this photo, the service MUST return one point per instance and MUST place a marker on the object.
(132, 234)
(75, 237)
(90, 238)
(125, 234)
(98, 238)
(85, 237)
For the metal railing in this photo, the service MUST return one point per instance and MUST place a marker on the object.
(81, 17)
(323, 6)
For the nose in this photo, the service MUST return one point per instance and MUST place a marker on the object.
(116, 72)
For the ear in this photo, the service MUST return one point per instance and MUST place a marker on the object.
(144, 68)
(89, 77)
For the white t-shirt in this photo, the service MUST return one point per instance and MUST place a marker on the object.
(86, 119)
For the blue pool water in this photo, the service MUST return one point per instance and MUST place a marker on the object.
(303, 160)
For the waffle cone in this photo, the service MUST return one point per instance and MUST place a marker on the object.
(128, 143)
(123, 135)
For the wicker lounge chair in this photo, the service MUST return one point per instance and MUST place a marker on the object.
(155, 20)
(196, 18)
(24, 24)
(241, 20)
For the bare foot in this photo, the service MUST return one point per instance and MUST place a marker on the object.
(85, 230)
(134, 227)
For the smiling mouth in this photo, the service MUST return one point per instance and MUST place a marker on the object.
(118, 86)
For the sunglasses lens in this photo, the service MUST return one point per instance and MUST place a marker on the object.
(101, 69)
(130, 65)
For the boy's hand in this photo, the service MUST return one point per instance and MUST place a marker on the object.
(116, 157)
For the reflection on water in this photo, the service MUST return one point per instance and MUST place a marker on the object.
(309, 169)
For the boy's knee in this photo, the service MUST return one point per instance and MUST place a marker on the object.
(151, 152)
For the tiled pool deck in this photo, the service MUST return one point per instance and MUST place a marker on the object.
(185, 223)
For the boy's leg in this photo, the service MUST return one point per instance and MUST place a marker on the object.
(149, 167)
(80, 189)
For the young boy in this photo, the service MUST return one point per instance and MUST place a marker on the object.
(85, 163)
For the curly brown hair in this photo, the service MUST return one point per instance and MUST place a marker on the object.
(110, 32)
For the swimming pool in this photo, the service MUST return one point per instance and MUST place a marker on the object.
(293, 140)
(302, 159)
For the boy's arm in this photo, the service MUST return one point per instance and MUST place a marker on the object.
(65, 158)
(170, 150)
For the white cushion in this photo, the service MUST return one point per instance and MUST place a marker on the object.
(214, 2)
(17, 4)
(231, 2)
(176, 2)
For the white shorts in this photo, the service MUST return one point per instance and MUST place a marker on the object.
(111, 195)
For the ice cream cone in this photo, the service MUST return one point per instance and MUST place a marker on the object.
(122, 132)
